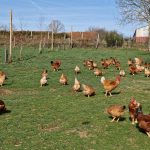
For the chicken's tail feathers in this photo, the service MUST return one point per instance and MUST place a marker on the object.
(102, 79)
(76, 81)
(52, 62)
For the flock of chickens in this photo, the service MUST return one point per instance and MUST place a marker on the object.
(116, 111)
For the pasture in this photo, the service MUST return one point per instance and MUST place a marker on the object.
(54, 117)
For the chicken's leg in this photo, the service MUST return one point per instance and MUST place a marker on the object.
(148, 133)
(136, 121)
(118, 119)
(113, 119)
(133, 122)
(110, 94)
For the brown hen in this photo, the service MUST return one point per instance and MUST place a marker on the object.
(116, 111)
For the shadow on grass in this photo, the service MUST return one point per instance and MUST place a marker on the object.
(116, 93)
(26, 58)
(79, 91)
(113, 93)
(85, 122)
(91, 95)
(4, 112)
(5, 84)
(140, 130)
(120, 120)
(146, 89)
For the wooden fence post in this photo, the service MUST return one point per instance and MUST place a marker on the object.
(14, 42)
(97, 41)
(71, 38)
(48, 35)
(64, 41)
(31, 34)
(82, 39)
(21, 52)
(40, 47)
(44, 42)
(6, 55)
(52, 38)
(10, 46)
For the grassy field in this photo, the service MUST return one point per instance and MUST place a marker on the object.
(53, 117)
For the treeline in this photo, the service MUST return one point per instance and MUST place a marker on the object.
(93, 38)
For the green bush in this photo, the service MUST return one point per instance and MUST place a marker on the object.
(114, 39)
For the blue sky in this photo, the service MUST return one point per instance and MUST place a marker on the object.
(80, 14)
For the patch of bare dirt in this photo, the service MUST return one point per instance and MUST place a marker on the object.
(5, 92)
(82, 134)
(49, 127)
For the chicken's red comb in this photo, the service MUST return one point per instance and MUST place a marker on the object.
(118, 78)
(133, 100)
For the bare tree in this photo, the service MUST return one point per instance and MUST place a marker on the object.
(4, 28)
(56, 26)
(135, 11)
(21, 23)
(100, 31)
(41, 22)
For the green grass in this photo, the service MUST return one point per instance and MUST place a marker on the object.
(53, 117)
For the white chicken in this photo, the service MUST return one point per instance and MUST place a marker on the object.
(77, 69)
(76, 86)
(63, 79)
(122, 73)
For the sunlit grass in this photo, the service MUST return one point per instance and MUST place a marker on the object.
(54, 117)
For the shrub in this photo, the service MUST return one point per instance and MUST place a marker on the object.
(114, 39)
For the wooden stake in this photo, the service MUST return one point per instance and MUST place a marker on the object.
(31, 34)
(10, 46)
(64, 40)
(48, 35)
(6, 55)
(14, 42)
(81, 39)
(81, 35)
(97, 42)
(44, 42)
(71, 37)
(40, 47)
(52, 38)
(21, 52)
